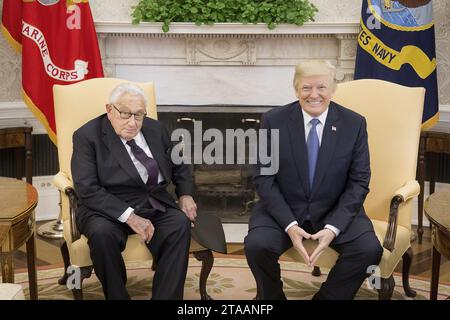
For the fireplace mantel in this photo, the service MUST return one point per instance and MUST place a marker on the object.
(184, 28)
(227, 63)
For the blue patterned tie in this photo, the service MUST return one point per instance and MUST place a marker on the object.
(152, 169)
(313, 149)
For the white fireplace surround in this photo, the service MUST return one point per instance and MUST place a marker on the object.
(225, 63)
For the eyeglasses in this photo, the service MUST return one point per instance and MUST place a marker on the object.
(125, 115)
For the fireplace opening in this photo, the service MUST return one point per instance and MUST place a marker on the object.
(223, 189)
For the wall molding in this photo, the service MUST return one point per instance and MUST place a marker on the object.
(444, 114)
(17, 114)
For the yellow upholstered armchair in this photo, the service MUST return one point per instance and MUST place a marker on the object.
(74, 106)
(394, 115)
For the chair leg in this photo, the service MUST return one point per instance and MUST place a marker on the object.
(77, 294)
(435, 267)
(316, 272)
(207, 259)
(407, 260)
(66, 258)
(387, 288)
(224, 203)
(85, 272)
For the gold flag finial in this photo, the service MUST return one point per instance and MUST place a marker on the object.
(388, 4)
(72, 2)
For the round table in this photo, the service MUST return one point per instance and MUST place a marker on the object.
(18, 200)
(437, 210)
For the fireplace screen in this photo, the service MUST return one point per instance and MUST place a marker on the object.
(223, 187)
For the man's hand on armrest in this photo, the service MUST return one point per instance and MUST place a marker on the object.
(143, 227)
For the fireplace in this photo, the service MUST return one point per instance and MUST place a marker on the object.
(225, 187)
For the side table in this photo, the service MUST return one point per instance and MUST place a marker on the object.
(437, 210)
(436, 140)
(18, 200)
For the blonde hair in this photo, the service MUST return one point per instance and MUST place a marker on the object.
(315, 68)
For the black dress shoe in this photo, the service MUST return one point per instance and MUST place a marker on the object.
(319, 296)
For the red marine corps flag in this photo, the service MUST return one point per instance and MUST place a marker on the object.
(59, 46)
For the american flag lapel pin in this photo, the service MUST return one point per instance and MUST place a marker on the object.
(333, 128)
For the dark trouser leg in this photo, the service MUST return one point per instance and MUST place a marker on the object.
(263, 247)
(170, 247)
(350, 270)
(106, 240)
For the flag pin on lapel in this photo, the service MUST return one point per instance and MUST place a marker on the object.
(333, 128)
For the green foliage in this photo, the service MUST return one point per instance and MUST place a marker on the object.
(271, 12)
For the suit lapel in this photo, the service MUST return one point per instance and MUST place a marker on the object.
(297, 141)
(118, 151)
(329, 139)
(151, 135)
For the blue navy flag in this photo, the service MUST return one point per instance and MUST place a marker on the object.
(397, 43)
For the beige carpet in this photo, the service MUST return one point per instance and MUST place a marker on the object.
(230, 278)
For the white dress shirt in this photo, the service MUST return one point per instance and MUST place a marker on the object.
(319, 128)
(140, 141)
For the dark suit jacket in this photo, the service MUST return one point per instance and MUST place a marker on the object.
(107, 182)
(341, 180)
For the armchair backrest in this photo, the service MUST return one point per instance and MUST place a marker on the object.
(78, 103)
(394, 114)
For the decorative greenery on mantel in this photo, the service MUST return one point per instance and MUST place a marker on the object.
(271, 12)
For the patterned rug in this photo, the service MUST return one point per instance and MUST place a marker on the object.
(230, 278)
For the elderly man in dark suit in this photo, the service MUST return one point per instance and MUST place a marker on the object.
(318, 191)
(121, 166)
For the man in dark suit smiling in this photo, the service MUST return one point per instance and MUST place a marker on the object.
(318, 191)
(121, 166)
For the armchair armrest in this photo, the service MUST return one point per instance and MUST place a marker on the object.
(62, 181)
(65, 185)
(408, 191)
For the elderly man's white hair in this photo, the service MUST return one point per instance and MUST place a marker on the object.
(129, 88)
